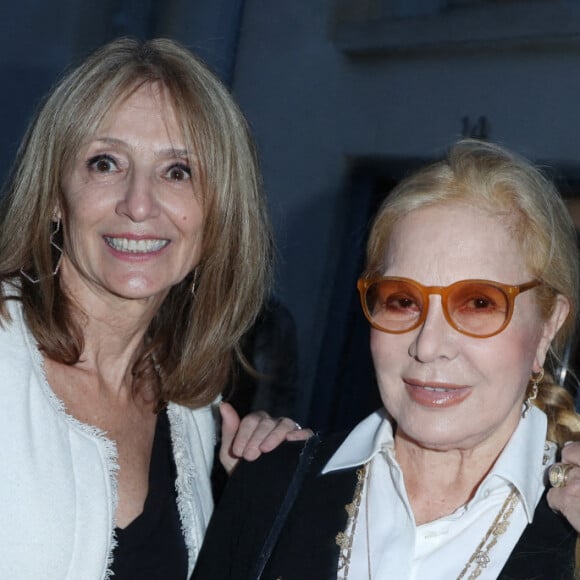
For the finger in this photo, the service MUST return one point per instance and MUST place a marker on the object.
(263, 434)
(571, 453)
(566, 501)
(554, 497)
(572, 482)
(299, 435)
(259, 433)
(281, 431)
(558, 474)
(566, 498)
(253, 429)
(230, 426)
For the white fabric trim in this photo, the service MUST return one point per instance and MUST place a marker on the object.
(58, 489)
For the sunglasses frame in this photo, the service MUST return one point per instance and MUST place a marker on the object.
(510, 291)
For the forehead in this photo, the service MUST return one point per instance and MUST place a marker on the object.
(148, 100)
(442, 244)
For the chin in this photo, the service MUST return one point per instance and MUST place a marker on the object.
(139, 289)
(441, 436)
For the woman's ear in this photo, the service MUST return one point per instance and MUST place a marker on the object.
(551, 328)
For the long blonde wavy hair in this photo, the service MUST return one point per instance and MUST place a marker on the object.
(504, 184)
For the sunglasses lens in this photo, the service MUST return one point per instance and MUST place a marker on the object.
(477, 308)
(394, 305)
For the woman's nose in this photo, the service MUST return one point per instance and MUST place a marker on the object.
(139, 201)
(435, 338)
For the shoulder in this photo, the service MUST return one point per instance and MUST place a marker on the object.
(20, 358)
(13, 330)
(278, 467)
(247, 512)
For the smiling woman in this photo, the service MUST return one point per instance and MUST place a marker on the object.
(134, 254)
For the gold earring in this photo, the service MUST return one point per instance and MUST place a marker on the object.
(536, 379)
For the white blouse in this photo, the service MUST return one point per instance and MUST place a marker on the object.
(397, 547)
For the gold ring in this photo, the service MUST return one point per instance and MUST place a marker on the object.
(558, 474)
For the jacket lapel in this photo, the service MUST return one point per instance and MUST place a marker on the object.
(308, 550)
(545, 549)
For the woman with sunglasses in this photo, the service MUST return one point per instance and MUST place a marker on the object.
(471, 292)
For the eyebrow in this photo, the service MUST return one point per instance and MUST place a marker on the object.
(166, 153)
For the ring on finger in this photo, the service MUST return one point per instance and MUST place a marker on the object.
(298, 426)
(558, 474)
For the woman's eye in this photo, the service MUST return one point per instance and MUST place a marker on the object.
(102, 163)
(400, 303)
(179, 172)
(480, 303)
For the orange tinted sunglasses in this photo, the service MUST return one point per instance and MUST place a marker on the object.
(477, 308)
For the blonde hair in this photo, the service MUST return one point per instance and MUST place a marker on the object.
(191, 340)
(489, 177)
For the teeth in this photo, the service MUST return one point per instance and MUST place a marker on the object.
(436, 389)
(135, 246)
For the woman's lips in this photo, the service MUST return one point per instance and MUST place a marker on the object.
(135, 248)
(135, 245)
(435, 394)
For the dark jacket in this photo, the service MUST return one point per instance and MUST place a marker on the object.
(306, 548)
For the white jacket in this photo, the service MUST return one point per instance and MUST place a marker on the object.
(58, 476)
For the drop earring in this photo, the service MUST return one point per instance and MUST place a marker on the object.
(56, 247)
(536, 379)
(53, 243)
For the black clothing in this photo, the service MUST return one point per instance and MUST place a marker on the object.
(152, 546)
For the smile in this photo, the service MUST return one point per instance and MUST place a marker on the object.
(133, 246)
(436, 396)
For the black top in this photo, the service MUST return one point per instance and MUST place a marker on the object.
(152, 547)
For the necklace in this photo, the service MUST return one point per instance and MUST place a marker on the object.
(498, 527)
(480, 557)
(344, 539)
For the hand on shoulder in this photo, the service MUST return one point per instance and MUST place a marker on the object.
(253, 435)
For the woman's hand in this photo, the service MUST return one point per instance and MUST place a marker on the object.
(566, 498)
(255, 434)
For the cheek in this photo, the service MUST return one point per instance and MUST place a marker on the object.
(389, 352)
(83, 207)
(377, 346)
(78, 222)
(507, 364)
(189, 215)
(526, 335)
